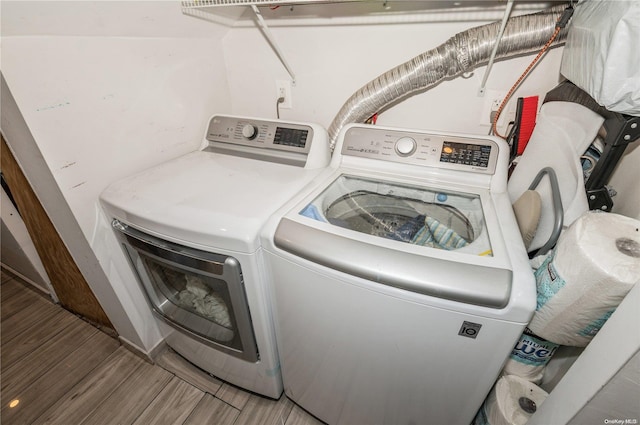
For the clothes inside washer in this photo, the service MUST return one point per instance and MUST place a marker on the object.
(437, 235)
(408, 230)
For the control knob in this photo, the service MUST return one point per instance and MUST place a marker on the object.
(405, 146)
(249, 131)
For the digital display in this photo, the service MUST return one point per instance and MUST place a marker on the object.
(466, 154)
(290, 137)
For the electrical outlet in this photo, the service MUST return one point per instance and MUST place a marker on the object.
(492, 101)
(283, 89)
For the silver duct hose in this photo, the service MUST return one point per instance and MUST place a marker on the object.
(461, 53)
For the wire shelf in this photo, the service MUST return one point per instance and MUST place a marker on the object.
(193, 4)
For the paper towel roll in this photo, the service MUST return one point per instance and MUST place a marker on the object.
(512, 401)
(595, 264)
(529, 357)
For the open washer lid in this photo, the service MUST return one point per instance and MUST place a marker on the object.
(422, 239)
(440, 219)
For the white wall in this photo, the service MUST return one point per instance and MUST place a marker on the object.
(107, 89)
(625, 181)
(617, 400)
(332, 62)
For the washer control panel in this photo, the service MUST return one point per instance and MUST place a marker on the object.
(260, 134)
(434, 150)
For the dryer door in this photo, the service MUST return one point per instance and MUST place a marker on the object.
(197, 292)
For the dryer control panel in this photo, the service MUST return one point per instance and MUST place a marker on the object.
(292, 143)
(260, 134)
(472, 154)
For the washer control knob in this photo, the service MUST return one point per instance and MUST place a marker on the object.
(249, 131)
(405, 146)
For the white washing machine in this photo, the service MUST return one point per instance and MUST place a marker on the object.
(400, 281)
(190, 228)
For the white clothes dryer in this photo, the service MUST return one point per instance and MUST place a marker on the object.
(400, 281)
(190, 229)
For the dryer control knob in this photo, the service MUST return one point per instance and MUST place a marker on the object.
(249, 131)
(405, 146)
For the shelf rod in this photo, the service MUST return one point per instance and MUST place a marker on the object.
(267, 33)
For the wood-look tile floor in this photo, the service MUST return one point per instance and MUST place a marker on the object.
(58, 369)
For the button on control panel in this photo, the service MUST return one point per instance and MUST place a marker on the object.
(435, 150)
(249, 131)
(405, 146)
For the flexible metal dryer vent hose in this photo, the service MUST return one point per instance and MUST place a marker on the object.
(461, 53)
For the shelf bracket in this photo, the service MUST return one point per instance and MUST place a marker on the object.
(267, 33)
(505, 18)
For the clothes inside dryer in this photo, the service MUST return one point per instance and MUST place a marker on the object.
(423, 216)
(197, 294)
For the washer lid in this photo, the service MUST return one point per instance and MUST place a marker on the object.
(422, 216)
(434, 242)
(205, 198)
